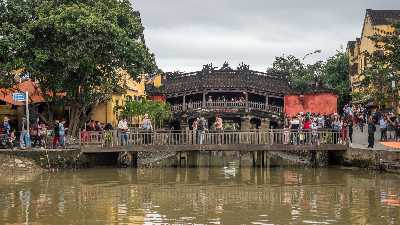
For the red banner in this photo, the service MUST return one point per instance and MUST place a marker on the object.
(322, 103)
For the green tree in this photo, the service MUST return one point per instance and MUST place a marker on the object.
(158, 112)
(383, 67)
(336, 77)
(331, 74)
(377, 81)
(74, 47)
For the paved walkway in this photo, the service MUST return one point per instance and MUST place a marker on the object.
(360, 140)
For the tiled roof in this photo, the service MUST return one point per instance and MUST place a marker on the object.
(35, 94)
(384, 17)
(223, 79)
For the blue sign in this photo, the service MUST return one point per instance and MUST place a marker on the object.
(19, 97)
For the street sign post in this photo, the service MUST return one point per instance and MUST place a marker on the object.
(19, 96)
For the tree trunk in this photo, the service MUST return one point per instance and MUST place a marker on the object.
(75, 120)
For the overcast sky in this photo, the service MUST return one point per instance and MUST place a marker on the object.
(186, 34)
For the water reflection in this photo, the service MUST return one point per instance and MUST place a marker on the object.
(229, 194)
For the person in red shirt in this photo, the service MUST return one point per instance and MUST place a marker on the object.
(307, 129)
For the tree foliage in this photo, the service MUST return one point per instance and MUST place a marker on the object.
(331, 74)
(336, 77)
(383, 68)
(75, 47)
(159, 112)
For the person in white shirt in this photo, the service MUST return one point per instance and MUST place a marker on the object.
(123, 129)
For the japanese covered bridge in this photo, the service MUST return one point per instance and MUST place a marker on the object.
(245, 99)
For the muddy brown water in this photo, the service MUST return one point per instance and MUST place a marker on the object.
(224, 194)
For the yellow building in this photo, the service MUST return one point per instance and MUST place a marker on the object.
(133, 90)
(376, 22)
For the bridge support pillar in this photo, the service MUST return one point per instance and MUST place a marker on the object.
(259, 159)
(254, 159)
(182, 159)
(134, 159)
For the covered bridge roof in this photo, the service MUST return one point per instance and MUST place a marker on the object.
(225, 78)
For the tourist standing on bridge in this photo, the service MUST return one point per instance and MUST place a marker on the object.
(383, 128)
(350, 126)
(219, 127)
(147, 127)
(201, 129)
(295, 126)
(24, 139)
(62, 133)
(123, 131)
(371, 132)
(56, 131)
(194, 127)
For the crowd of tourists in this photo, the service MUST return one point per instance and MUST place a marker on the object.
(38, 134)
(122, 128)
(304, 127)
(200, 126)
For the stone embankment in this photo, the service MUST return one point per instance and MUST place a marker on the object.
(36, 160)
(384, 160)
(9, 163)
(42, 160)
(149, 159)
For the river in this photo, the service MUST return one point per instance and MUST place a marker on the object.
(226, 194)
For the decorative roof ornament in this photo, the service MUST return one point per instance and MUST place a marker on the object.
(208, 68)
(243, 67)
(226, 67)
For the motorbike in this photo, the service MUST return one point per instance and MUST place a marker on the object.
(6, 142)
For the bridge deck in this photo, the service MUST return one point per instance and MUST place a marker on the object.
(275, 140)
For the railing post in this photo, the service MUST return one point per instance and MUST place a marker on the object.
(184, 102)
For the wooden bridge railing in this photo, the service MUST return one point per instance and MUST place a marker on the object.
(228, 105)
(171, 138)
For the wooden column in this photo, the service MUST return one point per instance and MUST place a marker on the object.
(184, 102)
(247, 101)
(204, 100)
(266, 102)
